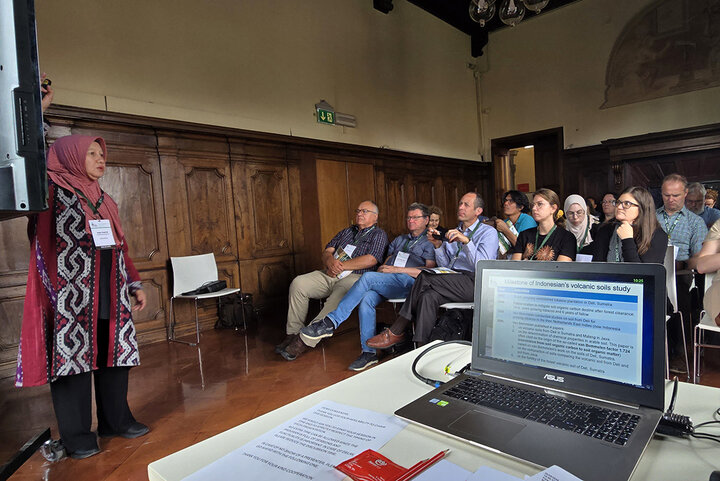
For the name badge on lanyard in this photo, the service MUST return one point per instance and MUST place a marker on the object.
(349, 249)
(102, 233)
(401, 259)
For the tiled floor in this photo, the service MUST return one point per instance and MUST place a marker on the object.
(243, 378)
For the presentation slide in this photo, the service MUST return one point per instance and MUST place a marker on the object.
(583, 327)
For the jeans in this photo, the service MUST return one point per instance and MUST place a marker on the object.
(368, 292)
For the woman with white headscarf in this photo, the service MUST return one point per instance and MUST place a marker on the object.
(580, 223)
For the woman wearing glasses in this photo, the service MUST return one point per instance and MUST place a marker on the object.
(580, 223)
(608, 208)
(548, 241)
(635, 235)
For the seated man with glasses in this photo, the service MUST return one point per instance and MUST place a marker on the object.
(394, 279)
(459, 250)
(516, 209)
(352, 252)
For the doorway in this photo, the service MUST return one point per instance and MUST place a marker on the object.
(527, 162)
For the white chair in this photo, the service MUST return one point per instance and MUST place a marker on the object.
(706, 325)
(671, 287)
(189, 273)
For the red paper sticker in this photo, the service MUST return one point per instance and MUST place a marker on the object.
(370, 466)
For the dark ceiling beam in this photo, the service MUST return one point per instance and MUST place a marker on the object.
(456, 14)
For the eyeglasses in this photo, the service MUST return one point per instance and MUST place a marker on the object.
(572, 214)
(626, 204)
(364, 211)
(415, 217)
(609, 202)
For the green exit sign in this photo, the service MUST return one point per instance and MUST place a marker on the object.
(326, 116)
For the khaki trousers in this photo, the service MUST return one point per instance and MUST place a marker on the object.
(314, 285)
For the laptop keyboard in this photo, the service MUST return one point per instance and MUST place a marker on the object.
(600, 423)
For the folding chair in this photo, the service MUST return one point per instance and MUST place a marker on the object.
(707, 324)
(189, 273)
(671, 287)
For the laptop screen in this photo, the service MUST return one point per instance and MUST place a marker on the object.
(592, 322)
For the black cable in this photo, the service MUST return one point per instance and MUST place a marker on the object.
(705, 436)
(674, 396)
(433, 382)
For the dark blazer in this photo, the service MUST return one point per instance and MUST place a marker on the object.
(655, 254)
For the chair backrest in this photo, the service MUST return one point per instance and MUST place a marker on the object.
(190, 272)
(709, 280)
(670, 286)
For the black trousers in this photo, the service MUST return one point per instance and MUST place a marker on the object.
(429, 292)
(72, 401)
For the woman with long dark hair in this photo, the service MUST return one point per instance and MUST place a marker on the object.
(635, 235)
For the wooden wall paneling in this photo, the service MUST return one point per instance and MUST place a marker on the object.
(262, 205)
(11, 309)
(361, 185)
(396, 195)
(268, 278)
(15, 249)
(453, 189)
(150, 323)
(197, 194)
(133, 180)
(333, 204)
(587, 171)
(422, 181)
(299, 245)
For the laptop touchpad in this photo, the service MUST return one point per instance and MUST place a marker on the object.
(487, 429)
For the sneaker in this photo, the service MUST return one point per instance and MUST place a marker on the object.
(366, 359)
(294, 349)
(319, 330)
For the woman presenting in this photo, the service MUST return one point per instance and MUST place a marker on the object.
(77, 318)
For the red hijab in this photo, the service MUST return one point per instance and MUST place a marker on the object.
(66, 167)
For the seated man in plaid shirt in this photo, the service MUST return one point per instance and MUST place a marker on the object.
(352, 252)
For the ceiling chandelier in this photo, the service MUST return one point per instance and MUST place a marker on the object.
(511, 12)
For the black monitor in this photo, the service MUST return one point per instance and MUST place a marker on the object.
(23, 170)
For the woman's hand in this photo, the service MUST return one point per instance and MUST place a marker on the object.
(48, 92)
(140, 300)
(625, 230)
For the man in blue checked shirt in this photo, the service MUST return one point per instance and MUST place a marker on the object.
(686, 231)
(352, 252)
(460, 250)
(407, 253)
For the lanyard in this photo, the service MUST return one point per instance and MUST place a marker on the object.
(460, 244)
(537, 234)
(361, 237)
(408, 246)
(670, 229)
(93, 207)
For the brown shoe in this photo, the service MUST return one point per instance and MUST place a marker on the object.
(294, 349)
(286, 342)
(385, 339)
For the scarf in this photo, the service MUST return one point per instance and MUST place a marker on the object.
(579, 230)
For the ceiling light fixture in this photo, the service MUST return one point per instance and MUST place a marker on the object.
(511, 12)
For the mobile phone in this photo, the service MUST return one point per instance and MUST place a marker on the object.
(45, 83)
(441, 236)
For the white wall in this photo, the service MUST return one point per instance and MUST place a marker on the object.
(550, 71)
(263, 64)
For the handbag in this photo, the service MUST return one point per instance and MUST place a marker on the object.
(207, 288)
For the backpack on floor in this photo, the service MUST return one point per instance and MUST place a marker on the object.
(230, 311)
(453, 325)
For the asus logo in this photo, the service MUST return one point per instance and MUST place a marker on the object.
(551, 377)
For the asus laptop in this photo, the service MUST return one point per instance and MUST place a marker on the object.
(567, 366)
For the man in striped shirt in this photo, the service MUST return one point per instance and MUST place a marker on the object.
(352, 252)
